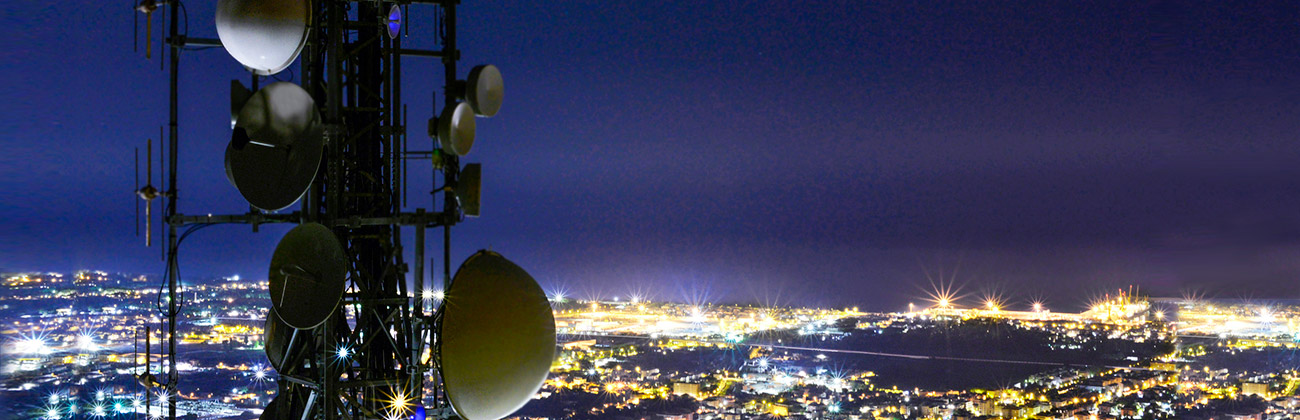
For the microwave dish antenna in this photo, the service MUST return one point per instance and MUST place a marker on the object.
(264, 36)
(393, 23)
(485, 90)
(454, 128)
(307, 275)
(497, 335)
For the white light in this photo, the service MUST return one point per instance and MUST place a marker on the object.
(32, 346)
(87, 342)
(342, 352)
(697, 315)
(1266, 315)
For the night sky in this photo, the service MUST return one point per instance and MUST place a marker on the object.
(811, 153)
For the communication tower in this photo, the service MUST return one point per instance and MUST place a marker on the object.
(347, 333)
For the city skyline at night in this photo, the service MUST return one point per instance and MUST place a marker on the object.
(736, 210)
(71, 338)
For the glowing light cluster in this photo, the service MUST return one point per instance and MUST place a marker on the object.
(32, 344)
(431, 295)
(342, 352)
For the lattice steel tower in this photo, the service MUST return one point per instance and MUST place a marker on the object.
(349, 336)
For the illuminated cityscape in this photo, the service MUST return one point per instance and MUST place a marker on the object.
(73, 344)
(667, 210)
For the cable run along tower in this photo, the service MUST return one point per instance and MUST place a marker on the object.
(348, 334)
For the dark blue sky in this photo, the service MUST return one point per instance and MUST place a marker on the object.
(808, 153)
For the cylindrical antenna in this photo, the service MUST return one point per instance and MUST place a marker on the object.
(162, 166)
(162, 190)
(148, 35)
(148, 202)
(137, 200)
(402, 161)
(162, 43)
(135, 29)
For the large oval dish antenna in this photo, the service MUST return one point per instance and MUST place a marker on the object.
(263, 35)
(277, 146)
(272, 179)
(277, 115)
(497, 335)
(307, 276)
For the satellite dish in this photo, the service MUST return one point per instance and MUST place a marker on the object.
(285, 346)
(276, 147)
(275, 116)
(280, 341)
(468, 188)
(307, 276)
(454, 129)
(274, 178)
(394, 21)
(485, 89)
(497, 337)
(263, 35)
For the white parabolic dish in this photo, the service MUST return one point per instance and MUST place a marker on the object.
(485, 90)
(263, 35)
(498, 337)
(456, 128)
